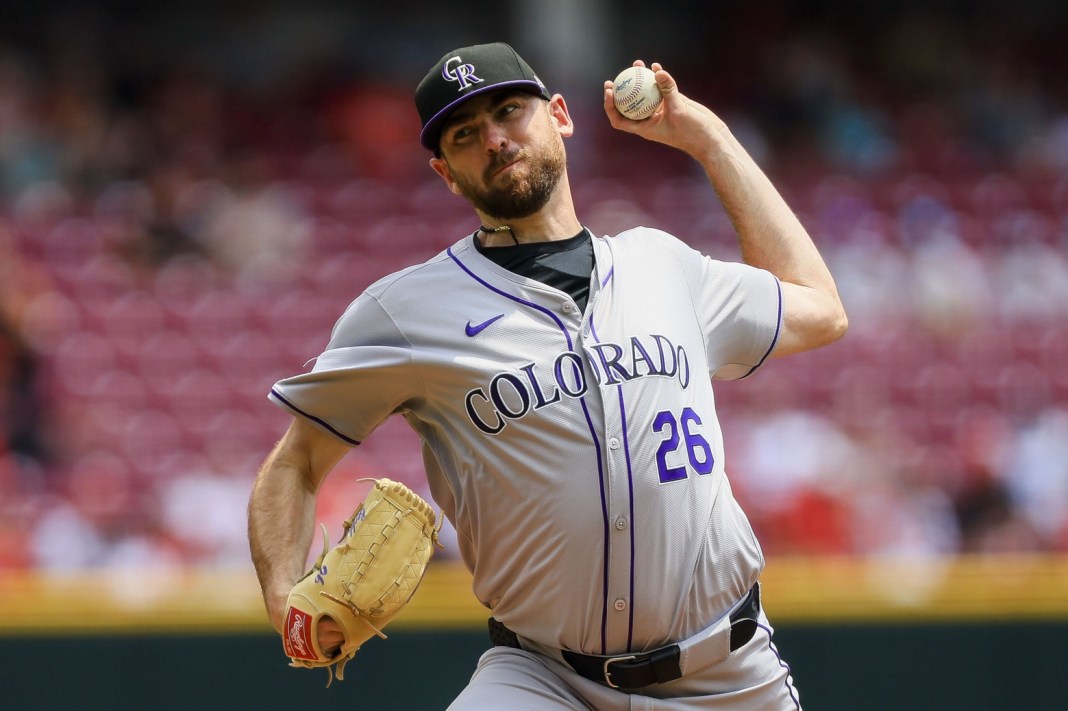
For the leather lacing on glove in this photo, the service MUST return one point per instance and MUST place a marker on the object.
(336, 669)
(373, 570)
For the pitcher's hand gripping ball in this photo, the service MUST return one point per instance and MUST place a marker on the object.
(365, 580)
(636, 94)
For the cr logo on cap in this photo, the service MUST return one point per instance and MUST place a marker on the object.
(454, 70)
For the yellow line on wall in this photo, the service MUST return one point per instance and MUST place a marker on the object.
(796, 590)
(921, 589)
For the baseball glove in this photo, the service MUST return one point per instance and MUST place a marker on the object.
(365, 580)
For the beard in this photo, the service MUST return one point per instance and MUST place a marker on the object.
(520, 193)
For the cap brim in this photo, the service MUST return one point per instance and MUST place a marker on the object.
(430, 136)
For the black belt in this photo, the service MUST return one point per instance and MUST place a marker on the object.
(633, 671)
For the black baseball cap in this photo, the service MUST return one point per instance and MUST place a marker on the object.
(467, 72)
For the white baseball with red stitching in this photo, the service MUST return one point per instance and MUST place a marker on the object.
(636, 93)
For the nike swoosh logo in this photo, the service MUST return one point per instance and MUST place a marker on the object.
(475, 329)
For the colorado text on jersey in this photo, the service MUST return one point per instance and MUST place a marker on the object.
(512, 394)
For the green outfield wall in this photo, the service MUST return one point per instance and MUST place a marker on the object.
(853, 667)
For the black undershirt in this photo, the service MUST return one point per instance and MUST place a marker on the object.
(562, 264)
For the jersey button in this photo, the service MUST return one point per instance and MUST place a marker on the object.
(620, 604)
(621, 523)
(568, 307)
(613, 443)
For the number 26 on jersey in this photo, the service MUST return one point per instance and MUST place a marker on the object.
(681, 431)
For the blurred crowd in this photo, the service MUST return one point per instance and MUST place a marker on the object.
(171, 244)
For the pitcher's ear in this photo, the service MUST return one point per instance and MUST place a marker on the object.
(558, 110)
(441, 167)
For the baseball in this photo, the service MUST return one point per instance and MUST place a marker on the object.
(636, 93)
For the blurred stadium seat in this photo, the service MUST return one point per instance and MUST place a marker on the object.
(156, 355)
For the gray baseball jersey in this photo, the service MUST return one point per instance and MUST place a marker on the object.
(578, 455)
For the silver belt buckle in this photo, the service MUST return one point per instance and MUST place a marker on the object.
(612, 660)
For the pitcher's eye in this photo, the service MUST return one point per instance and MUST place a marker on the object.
(457, 135)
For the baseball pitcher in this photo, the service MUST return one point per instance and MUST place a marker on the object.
(561, 383)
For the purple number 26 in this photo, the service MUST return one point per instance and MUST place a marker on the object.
(698, 451)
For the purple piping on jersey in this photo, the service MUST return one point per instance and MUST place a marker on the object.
(604, 529)
(630, 477)
(505, 294)
(630, 493)
(604, 504)
(313, 418)
(589, 423)
(784, 665)
(778, 328)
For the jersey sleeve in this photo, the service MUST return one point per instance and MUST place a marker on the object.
(739, 308)
(363, 376)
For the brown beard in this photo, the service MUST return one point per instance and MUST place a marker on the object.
(521, 193)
